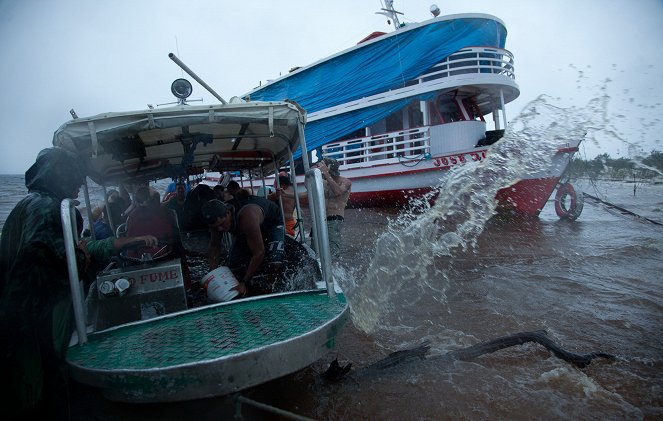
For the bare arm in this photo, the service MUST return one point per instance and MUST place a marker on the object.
(335, 187)
(274, 197)
(288, 192)
(121, 242)
(338, 188)
(124, 194)
(214, 249)
(98, 250)
(249, 225)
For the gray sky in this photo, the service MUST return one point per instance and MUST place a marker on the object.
(98, 56)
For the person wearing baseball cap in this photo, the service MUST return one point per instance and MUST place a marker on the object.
(257, 226)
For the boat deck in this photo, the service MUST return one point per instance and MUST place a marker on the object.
(207, 333)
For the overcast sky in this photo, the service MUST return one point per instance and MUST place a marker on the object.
(98, 56)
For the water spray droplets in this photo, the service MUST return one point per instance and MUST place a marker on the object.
(403, 269)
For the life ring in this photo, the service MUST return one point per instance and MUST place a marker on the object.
(573, 209)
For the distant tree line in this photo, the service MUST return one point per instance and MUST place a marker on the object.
(605, 167)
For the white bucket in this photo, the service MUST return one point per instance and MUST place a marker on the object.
(219, 284)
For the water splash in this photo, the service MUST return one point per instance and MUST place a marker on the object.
(402, 270)
(630, 126)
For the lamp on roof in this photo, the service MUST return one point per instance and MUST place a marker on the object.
(182, 89)
(435, 10)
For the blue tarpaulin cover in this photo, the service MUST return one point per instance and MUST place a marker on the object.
(386, 63)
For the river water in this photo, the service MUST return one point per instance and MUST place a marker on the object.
(453, 275)
(593, 285)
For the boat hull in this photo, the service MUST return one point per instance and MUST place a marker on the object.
(211, 351)
(525, 198)
(398, 183)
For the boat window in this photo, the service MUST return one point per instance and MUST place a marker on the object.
(353, 135)
(395, 121)
(416, 117)
(444, 109)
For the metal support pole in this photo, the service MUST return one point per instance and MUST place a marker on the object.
(69, 229)
(502, 107)
(319, 216)
(298, 206)
(88, 209)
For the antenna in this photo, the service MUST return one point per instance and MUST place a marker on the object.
(177, 47)
(391, 13)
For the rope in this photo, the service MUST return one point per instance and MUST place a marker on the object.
(268, 408)
(621, 210)
(418, 159)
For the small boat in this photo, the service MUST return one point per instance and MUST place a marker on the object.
(138, 336)
(400, 109)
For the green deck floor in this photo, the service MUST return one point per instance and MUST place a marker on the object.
(207, 333)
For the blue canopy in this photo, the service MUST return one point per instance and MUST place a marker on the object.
(383, 64)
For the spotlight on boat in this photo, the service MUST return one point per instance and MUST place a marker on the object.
(435, 10)
(182, 89)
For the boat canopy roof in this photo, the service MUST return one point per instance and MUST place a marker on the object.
(183, 140)
(378, 65)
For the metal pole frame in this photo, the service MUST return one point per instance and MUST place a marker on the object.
(69, 230)
(315, 189)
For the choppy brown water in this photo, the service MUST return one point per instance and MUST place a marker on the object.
(594, 285)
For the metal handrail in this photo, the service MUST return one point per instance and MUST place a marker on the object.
(404, 143)
(315, 188)
(474, 60)
(70, 232)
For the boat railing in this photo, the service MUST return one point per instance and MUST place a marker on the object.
(473, 60)
(315, 190)
(384, 147)
(69, 231)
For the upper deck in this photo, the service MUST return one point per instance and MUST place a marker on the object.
(485, 73)
(369, 81)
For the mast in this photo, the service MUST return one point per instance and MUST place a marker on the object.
(195, 76)
(391, 13)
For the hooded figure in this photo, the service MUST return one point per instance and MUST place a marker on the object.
(35, 303)
(193, 220)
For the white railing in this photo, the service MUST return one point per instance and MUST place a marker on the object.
(495, 64)
(380, 149)
(473, 60)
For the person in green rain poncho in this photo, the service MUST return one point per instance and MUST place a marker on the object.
(36, 312)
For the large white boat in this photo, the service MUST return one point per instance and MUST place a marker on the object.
(400, 109)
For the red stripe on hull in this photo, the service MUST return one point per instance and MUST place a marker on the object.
(525, 198)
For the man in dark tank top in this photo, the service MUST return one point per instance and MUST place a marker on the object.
(257, 226)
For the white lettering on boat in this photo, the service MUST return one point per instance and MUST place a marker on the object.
(161, 276)
(450, 160)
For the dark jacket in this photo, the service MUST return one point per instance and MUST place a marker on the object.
(35, 303)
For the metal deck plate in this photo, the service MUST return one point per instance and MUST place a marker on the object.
(207, 333)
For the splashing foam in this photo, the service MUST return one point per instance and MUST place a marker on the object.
(402, 270)
(631, 130)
